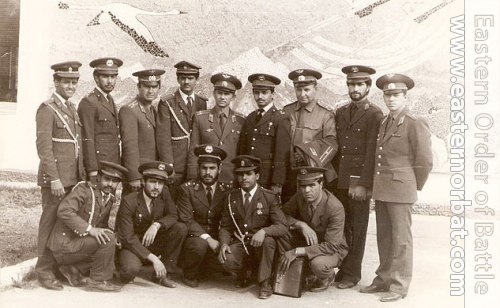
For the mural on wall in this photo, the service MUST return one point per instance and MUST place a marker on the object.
(276, 37)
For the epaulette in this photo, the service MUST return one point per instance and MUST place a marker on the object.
(189, 183)
(324, 105)
(166, 96)
(266, 190)
(50, 100)
(132, 104)
(202, 97)
(236, 113)
(200, 112)
(226, 186)
(90, 93)
(411, 116)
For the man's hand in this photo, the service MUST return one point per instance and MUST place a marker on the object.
(285, 261)
(57, 189)
(298, 158)
(158, 266)
(359, 193)
(276, 189)
(213, 244)
(258, 238)
(308, 233)
(135, 185)
(222, 253)
(100, 234)
(149, 236)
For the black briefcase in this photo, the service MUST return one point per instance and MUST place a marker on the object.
(292, 281)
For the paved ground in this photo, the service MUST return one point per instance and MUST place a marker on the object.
(429, 288)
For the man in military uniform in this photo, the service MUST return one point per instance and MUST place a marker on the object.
(175, 121)
(138, 125)
(357, 128)
(251, 220)
(81, 240)
(219, 126)
(100, 125)
(403, 161)
(200, 208)
(266, 134)
(316, 219)
(58, 141)
(314, 140)
(148, 227)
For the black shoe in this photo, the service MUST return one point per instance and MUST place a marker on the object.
(51, 284)
(373, 289)
(265, 290)
(242, 283)
(193, 283)
(346, 284)
(392, 297)
(321, 285)
(102, 286)
(72, 274)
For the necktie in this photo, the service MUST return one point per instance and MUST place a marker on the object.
(299, 115)
(209, 194)
(150, 207)
(246, 204)
(110, 99)
(222, 120)
(390, 122)
(259, 115)
(353, 110)
(311, 210)
(190, 104)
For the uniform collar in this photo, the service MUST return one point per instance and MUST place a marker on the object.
(267, 108)
(147, 199)
(102, 92)
(360, 103)
(252, 192)
(184, 96)
(60, 97)
(309, 107)
(218, 111)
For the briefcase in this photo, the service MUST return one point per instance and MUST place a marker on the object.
(292, 281)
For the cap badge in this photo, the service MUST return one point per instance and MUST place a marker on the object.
(303, 171)
(390, 75)
(391, 86)
(242, 164)
(225, 76)
(70, 69)
(355, 69)
(301, 78)
(109, 62)
(262, 78)
(185, 67)
(299, 71)
(209, 149)
(224, 83)
(152, 78)
(161, 167)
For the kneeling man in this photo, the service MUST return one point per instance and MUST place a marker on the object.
(81, 240)
(148, 227)
(316, 218)
(251, 220)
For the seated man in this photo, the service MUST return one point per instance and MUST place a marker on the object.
(148, 227)
(251, 219)
(81, 240)
(316, 219)
(200, 207)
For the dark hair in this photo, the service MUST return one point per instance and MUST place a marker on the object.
(368, 82)
(147, 177)
(201, 161)
(197, 75)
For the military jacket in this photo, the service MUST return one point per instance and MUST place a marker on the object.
(357, 141)
(58, 142)
(133, 219)
(138, 137)
(403, 159)
(82, 207)
(100, 131)
(264, 213)
(328, 222)
(206, 130)
(196, 212)
(174, 128)
(269, 139)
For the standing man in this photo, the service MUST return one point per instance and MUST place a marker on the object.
(266, 134)
(219, 126)
(357, 128)
(81, 240)
(403, 162)
(251, 220)
(175, 122)
(200, 207)
(58, 141)
(316, 219)
(314, 140)
(148, 227)
(138, 125)
(97, 110)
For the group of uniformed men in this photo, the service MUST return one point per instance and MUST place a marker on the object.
(203, 189)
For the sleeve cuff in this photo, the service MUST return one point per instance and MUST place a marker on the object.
(58, 180)
(93, 173)
(205, 236)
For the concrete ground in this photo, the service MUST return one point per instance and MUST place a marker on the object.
(429, 288)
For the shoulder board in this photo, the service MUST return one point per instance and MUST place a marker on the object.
(281, 111)
(324, 105)
(132, 104)
(166, 96)
(411, 116)
(90, 93)
(289, 105)
(268, 191)
(236, 113)
(50, 100)
(189, 183)
(200, 112)
(202, 97)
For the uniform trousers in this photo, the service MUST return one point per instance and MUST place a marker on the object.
(321, 266)
(93, 257)
(395, 246)
(50, 203)
(167, 244)
(357, 214)
(237, 261)
(174, 185)
(198, 258)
